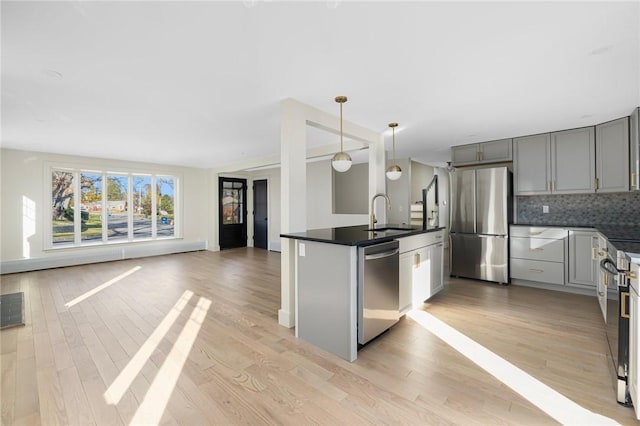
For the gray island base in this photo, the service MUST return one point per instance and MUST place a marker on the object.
(326, 280)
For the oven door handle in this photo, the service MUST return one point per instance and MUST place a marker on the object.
(607, 265)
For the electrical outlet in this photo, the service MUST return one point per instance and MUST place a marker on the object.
(545, 209)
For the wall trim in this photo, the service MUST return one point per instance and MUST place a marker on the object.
(96, 256)
(275, 246)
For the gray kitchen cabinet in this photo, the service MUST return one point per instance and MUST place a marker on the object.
(634, 339)
(480, 153)
(436, 256)
(531, 165)
(464, 154)
(634, 149)
(573, 161)
(538, 254)
(555, 163)
(582, 270)
(421, 269)
(612, 156)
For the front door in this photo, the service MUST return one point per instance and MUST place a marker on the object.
(260, 214)
(233, 212)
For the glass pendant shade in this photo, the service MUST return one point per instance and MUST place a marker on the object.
(341, 162)
(394, 172)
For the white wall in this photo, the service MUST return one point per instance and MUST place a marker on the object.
(319, 200)
(23, 177)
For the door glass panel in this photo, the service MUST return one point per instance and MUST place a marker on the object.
(117, 207)
(141, 207)
(62, 211)
(165, 207)
(91, 206)
(232, 208)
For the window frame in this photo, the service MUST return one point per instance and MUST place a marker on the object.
(105, 172)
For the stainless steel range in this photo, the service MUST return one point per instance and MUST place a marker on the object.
(615, 267)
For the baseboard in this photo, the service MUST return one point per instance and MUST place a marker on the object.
(275, 246)
(99, 254)
(284, 319)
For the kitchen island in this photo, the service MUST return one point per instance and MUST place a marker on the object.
(327, 271)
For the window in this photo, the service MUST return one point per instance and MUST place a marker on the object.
(232, 196)
(114, 207)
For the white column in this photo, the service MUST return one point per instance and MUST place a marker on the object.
(293, 203)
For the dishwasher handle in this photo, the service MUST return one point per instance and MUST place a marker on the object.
(381, 255)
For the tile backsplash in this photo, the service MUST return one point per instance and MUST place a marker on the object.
(580, 209)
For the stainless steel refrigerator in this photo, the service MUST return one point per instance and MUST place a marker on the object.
(481, 211)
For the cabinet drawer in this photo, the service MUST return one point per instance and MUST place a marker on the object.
(538, 232)
(537, 249)
(537, 270)
(416, 241)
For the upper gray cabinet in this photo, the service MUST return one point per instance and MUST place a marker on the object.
(573, 164)
(480, 153)
(634, 150)
(532, 165)
(612, 156)
(555, 163)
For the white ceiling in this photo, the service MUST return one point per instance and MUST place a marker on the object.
(199, 83)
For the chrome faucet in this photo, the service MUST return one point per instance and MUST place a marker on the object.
(372, 217)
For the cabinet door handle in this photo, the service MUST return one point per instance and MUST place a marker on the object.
(549, 185)
(633, 179)
(601, 293)
(537, 271)
(553, 186)
(606, 280)
(417, 260)
(594, 253)
(597, 183)
(440, 245)
(624, 296)
(536, 249)
(535, 233)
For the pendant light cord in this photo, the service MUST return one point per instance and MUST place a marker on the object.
(341, 148)
(393, 130)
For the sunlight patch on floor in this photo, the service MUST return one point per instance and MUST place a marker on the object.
(101, 287)
(155, 400)
(556, 405)
(128, 374)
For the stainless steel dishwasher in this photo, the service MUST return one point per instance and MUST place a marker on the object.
(378, 289)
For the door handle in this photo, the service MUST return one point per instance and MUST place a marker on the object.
(536, 249)
(537, 271)
(601, 293)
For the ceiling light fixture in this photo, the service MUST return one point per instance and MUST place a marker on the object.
(341, 162)
(394, 171)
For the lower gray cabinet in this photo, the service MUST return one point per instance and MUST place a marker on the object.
(538, 254)
(582, 269)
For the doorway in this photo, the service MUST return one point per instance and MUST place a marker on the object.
(232, 194)
(260, 214)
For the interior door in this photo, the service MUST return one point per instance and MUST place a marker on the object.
(260, 214)
(233, 212)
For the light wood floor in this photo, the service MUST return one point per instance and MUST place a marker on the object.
(244, 368)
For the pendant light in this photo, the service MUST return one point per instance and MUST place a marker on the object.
(394, 171)
(341, 162)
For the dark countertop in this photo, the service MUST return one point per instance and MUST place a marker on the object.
(623, 237)
(358, 235)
